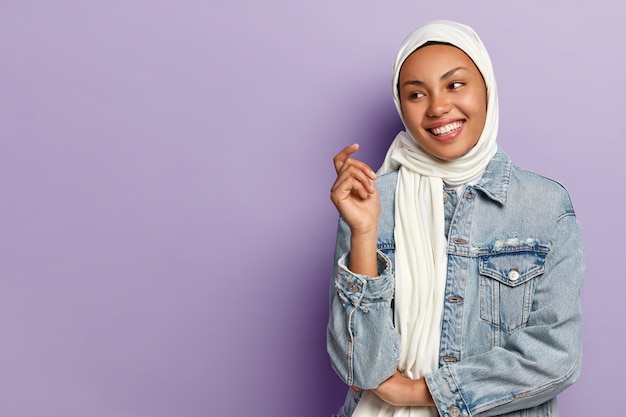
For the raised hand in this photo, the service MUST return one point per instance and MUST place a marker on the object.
(354, 193)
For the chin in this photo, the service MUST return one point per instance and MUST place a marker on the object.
(448, 155)
(445, 151)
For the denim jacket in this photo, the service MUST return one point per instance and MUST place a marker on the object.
(511, 325)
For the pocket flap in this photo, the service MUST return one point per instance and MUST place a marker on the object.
(513, 268)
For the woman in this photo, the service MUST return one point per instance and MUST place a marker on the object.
(457, 276)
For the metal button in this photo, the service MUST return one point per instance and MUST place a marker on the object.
(513, 275)
(445, 198)
(353, 287)
(454, 411)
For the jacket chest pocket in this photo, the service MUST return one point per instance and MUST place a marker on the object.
(507, 285)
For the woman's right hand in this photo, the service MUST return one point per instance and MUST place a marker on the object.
(354, 193)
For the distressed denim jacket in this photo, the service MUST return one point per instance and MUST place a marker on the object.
(511, 325)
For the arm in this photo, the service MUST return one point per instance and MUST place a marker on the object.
(363, 254)
(362, 342)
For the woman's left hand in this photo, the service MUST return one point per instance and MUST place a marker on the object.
(400, 390)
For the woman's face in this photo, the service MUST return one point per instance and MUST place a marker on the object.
(443, 99)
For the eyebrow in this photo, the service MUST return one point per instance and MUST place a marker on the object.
(446, 75)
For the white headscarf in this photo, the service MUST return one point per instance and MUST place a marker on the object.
(421, 254)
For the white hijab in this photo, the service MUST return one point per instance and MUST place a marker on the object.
(421, 254)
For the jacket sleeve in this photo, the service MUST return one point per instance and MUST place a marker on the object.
(361, 340)
(536, 362)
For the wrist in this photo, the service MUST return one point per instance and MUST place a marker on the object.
(421, 394)
(365, 233)
(363, 254)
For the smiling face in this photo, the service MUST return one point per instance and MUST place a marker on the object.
(443, 98)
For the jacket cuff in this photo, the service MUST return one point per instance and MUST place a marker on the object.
(446, 393)
(362, 289)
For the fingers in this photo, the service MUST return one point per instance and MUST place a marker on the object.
(354, 177)
(354, 192)
(343, 155)
(348, 188)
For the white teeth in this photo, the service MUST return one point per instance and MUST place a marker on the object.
(446, 129)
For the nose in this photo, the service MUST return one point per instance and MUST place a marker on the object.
(438, 105)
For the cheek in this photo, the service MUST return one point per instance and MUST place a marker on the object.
(475, 107)
(412, 115)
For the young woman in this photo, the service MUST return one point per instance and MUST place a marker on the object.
(457, 276)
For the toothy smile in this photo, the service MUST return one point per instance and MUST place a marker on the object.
(444, 130)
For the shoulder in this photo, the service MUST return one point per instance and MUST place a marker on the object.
(541, 190)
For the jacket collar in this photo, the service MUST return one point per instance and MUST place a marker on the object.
(495, 180)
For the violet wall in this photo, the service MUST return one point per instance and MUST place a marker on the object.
(165, 167)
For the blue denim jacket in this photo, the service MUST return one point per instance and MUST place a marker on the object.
(511, 325)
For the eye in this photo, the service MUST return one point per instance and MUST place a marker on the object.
(455, 85)
(415, 95)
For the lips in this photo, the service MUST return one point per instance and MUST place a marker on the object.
(446, 129)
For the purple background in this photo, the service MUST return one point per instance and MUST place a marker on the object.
(165, 167)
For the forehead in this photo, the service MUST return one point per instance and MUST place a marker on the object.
(435, 60)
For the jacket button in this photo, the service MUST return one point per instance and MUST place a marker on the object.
(454, 411)
(353, 287)
(513, 275)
